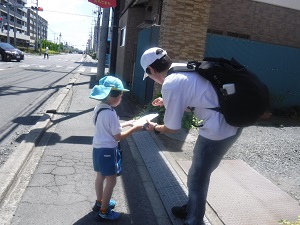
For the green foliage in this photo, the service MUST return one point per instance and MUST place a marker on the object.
(52, 46)
(25, 49)
(93, 55)
(51, 52)
(188, 120)
(285, 222)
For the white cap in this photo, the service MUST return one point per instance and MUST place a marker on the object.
(150, 56)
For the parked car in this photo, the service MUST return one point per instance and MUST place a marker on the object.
(9, 52)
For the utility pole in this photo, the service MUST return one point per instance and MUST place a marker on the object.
(36, 25)
(114, 39)
(103, 43)
(98, 33)
(59, 42)
(40, 38)
(8, 19)
(92, 38)
(15, 30)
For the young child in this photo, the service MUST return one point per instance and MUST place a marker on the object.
(108, 133)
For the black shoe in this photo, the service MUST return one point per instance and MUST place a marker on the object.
(180, 211)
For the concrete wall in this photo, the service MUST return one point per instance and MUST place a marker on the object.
(183, 30)
(184, 27)
(126, 54)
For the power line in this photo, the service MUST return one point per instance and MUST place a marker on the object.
(74, 14)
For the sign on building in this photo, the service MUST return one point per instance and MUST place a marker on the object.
(104, 3)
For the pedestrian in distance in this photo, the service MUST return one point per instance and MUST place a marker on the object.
(182, 91)
(106, 151)
(46, 53)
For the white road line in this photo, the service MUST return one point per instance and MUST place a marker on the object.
(81, 69)
(94, 70)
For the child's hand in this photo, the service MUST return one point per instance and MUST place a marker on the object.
(128, 123)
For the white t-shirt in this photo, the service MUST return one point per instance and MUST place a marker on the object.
(107, 125)
(188, 89)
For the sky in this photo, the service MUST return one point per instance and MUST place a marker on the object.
(293, 4)
(74, 19)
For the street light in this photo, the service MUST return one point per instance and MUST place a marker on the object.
(37, 8)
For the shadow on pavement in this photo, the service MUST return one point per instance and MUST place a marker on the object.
(89, 219)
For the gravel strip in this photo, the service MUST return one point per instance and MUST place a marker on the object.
(272, 148)
(274, 152)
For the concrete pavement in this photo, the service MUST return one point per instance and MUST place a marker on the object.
(53, 181)
(60, 187)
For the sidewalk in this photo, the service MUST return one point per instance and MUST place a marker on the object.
(57, 182)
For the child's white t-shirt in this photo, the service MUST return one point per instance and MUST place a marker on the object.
(107, 125)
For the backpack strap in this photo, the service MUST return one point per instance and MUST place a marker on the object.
(176, 69)
(191, 67)
(119, 144)
(100, 110)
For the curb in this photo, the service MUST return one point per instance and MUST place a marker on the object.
(210, 213)
(14, 165)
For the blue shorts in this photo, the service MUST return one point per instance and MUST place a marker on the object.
(107, 161)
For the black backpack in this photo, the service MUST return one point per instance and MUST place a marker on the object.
(251, 97)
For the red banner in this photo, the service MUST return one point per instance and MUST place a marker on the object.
(104, 3)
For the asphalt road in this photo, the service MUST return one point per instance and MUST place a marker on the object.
(26, 88)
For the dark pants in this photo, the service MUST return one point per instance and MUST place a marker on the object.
(207, 156)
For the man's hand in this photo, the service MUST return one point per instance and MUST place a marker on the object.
(151, 126)
(158, 102)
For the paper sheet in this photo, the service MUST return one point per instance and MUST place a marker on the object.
(143, 120)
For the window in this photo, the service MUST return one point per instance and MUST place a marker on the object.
(122, 37)
(238, 35)
(214, 31)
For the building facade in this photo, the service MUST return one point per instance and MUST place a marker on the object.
(132, 14)
(14, 29)
(184, 26)
(37, 26)
(255, 21)
(19, 23)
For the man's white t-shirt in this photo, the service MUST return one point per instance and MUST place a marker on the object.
(107, 126)
(188, 89)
